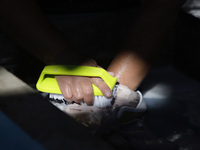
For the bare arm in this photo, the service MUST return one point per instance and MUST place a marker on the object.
(145, 41)
(27, 25)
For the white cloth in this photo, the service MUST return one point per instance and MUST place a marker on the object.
(192, 7)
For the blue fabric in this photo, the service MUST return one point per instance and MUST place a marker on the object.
(12, 137)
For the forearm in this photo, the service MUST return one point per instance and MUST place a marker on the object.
(143, 45)
(24, 22)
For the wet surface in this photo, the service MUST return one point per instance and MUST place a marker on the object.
(171, 90)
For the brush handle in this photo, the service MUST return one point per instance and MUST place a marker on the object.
(47, 82)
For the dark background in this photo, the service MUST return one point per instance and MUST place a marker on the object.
(97, 27)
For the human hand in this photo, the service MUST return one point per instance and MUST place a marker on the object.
(76, 88)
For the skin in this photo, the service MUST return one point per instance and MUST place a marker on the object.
(24, 22)
(133, 63)
(78, 88)
(144, 43)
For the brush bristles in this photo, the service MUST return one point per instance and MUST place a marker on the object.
(58, 98)
(102, 101)
(99, 101)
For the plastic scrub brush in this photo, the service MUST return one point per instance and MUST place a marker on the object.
(123, 100)
(48, 84)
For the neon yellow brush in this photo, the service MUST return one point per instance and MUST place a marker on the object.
(48, 84)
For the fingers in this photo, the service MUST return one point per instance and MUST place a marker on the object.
(87, 91)
(76, 89)
(98, 81)
(102, 86)
(65, 88)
